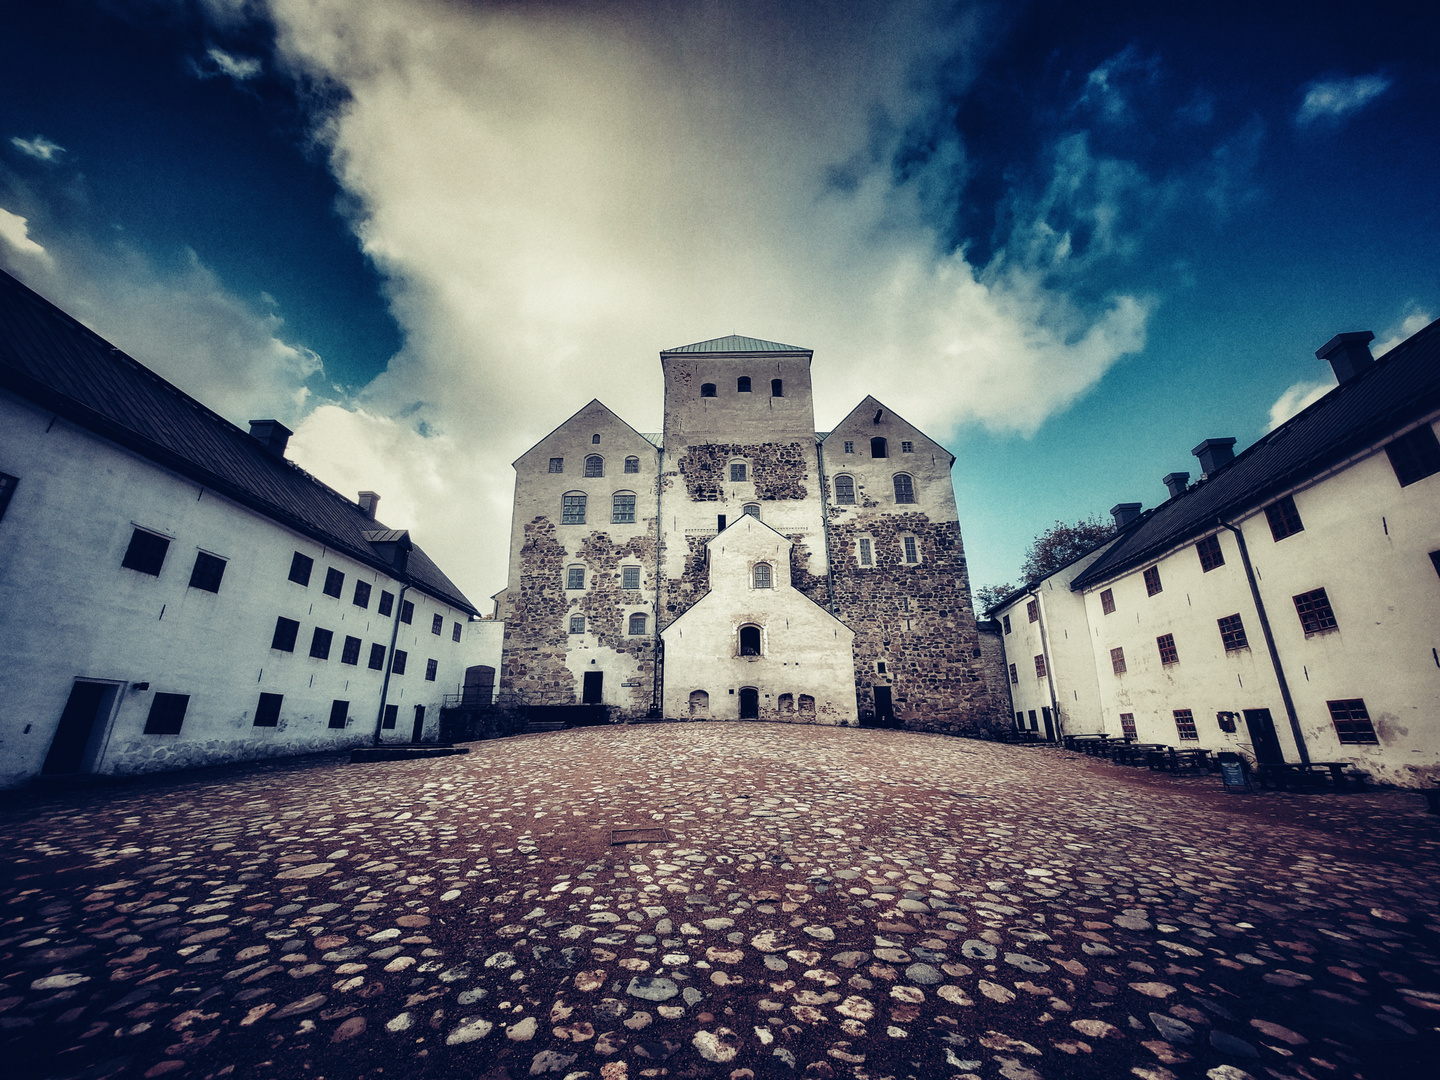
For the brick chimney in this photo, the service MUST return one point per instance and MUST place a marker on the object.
(1125, 513)
(1349, 354)
(1214, 455)
(368, 501)
(1176, 483)
(271, 434)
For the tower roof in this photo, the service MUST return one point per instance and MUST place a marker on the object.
(734, 343)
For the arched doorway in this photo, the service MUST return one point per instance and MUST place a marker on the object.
(749, 641)
(749, 703)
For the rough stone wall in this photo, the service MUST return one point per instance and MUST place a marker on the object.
(607, 608)
(535, 639)
(682, 592)
(776, 469)
(812, 585)
(993, 663)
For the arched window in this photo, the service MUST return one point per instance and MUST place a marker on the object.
(572, 509)
(878, 447)
(632, 464)
(742, 384)
(807, 704)
(595, 439)
(904, 489)
(622, 508)
(637, 624)
(762, 575)
(699, 703)
(594, 465)
(753, 509)
(777, 388)
(707, 389)
(749, 641)
(785, 703)
(844, 489)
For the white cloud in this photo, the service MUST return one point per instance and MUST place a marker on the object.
(1331, 99)
(1415, 320)
(15, 231)
(1296, 399)
(238, 68)
(39, 147)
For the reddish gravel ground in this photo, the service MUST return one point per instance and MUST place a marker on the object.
(820, 903)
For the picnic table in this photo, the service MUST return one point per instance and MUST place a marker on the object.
(1300, 776)
(1172, 759)
(1092, 744)
(1132, 753)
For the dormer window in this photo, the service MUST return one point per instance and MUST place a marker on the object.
(742, 384)
(707, 389)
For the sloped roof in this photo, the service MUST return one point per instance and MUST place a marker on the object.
(734, 343)
(51, 359)
(1403, 386)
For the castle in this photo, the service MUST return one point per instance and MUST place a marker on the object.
(742, 565)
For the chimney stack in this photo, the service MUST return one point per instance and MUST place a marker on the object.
(271, 434)
(368, 502)
(1349, 354)
(1124, 513)
(1214, 454)
(1176, 483)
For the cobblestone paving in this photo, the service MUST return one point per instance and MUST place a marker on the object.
(823, 903)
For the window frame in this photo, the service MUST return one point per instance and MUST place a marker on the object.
(751, 509)
(577, 624)
(643, 623)
(301, 567)
(849, 446)
(557, 466)
(1153, 585)
(864, 551)
(377, 657)
(1211, 555)
(1185, 725)
(742, 385)
(739, 472)
(267, 710)
(1005, 621)
(407, 612)
(880, 443)
(1168, 653)
(632, 465)
(350, 651)
(844, 489)
(386, 605)
(910, 549)
(777, 388)
(291, 633)
(146, 549)
(321, 641)
(432, 669)
(437, 624)
(904, 489)
(1127, 725)
(709, 390)
(594, 467)
(630, 578)
(572, 508)
(1232, 633)
(1284, 518)
(399, 660)
(334, 582)
(1355, 712)
(1040, 669)
(1032, 609)
(1317, 615)
(339, 711)
(199, 580)
(1107, 602)
(762, 570)
(571, 574)
(622, 508)
(1117, 660)
(455, 633)
(1014, 675)
(1414, 455)
(906, 446)
(740, 636)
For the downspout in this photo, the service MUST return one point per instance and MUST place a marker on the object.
(390, 661)
(1269, 642)
(657, 648)
(1049, 667)
(825, 526)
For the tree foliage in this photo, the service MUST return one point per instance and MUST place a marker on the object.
(1062, 543)
(987, 596)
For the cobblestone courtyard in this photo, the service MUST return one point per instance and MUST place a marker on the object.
(820, 903)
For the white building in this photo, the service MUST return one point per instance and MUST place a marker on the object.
(1286, 605)
(743, 565)
(175, 593)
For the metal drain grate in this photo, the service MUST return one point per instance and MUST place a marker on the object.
(639, 836)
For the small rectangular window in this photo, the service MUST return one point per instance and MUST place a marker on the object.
(1210, 554)
(1232, 633)
(719, 523)
(572, 510)
(387, 603)
(577, 624)
(207, 572)
(300, 567)
(407, 612)
(1117, 660)
(1316, 615)
(1007, 624)
(1127, 724)
(167, 714)
(1152, 581)
(350, 654)
(1032, 610)
(1107, 602)
(392, 713)
(267, 712)
(437, 624)
(286, 631)
(849, 447)
(1168, 653)
(777, 388)
(1352, 722)
(630, 577)
(339, 714)
(907, 447)
(146, 552)
(320, 643)
(1014, 676)
(455, 632)
(7, 491)
(431, 666)
(1185, 725)
(575, 577)
(397, 662)
(866, 556)
(334, 582)
(912, 551)
(737, 473)
(557, 464)
(377, 657)
(1039, 665)
(1284, 518)
(361, 599)
(1414, 455)
(622, 509)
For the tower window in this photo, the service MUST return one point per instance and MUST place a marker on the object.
(749, 641)
(912, 549)
(707, 389)
(777, 388)
(878, 447)
(637, 624)
(904, 489)
(622, 509)
(146, 553)
(594, 465)
(742, 384)
(572, 510)
(737, 473)
(845, 489)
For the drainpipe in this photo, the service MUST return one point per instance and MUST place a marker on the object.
(390, 662)
(1269, 642)
(825, 526)
(657, 648)
(1049, 667)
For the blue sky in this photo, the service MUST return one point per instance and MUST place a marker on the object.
(1070, 240)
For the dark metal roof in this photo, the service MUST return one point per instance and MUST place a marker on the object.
(52, 360)
(1400, 388)
(734, 343)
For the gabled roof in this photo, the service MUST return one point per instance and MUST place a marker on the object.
(1401, 387)
(609, 412)
(870, 401)
(52, 360)
(734, 343)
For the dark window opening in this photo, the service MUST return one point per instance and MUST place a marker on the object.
(387, 603)
(632, 464)
(1107, 602)
(777, 388)
(1316, 614)
(707, 389)
(1232, 633)
(320, 643)
(207, 572)
(361, 599)
(146, 552)
(397, 662)
(300, 567)
(878, 447)
(437, 624)
(392, 713)
(431, 667)
(350, 654)
(1152, 581)
(339, 714)
(1168, 653)
(1014, 676)
(334, 583)
(749, 703)
(1185, 725)
(377, 657)
(1284, 518)
(1352, 722)
(267, 713)
(167, 714)
(742, 384)
(286, 631)
(904, 489)
(455, 632)
(1210, 554)
(595, 438)
(1435, 560)
(719, 522)
(1415, 455)
(1006, 624)
(1226, 722)
(749, 641)
(407, 612)
(7, 491)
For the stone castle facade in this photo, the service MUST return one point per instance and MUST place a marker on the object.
(742, 565)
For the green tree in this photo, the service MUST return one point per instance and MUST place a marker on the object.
(1063, 543)
(987, 596)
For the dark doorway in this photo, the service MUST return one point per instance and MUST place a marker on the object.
(884, 710)
(1263, 737)
(78, 735)
(593, 694)
(749, 641)
(479, 686)
(1049, 725)
(749, 703)
(418, 731)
